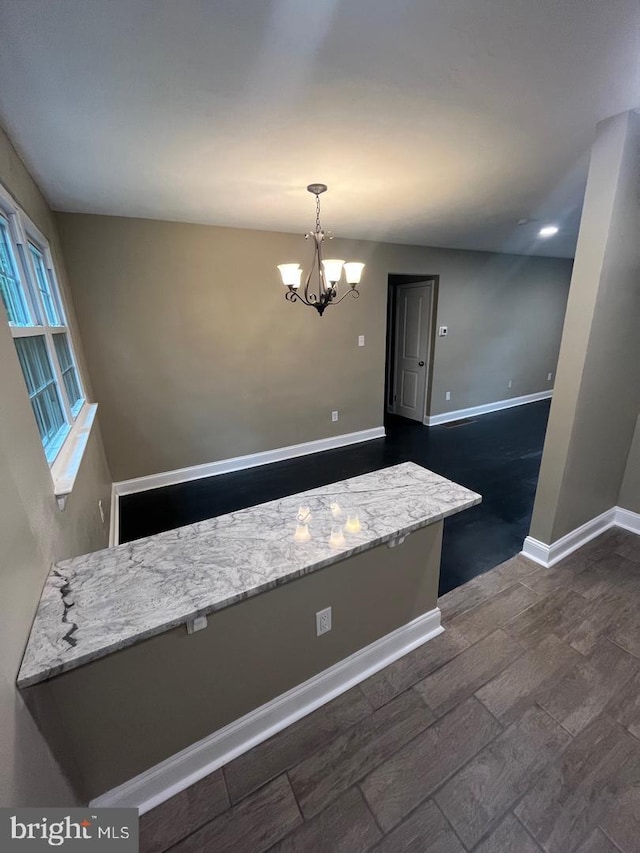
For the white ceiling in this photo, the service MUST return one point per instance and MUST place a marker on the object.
(436, 122)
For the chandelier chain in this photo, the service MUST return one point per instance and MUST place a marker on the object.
(318, 228)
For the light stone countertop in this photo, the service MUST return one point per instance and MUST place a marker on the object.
(101, 602)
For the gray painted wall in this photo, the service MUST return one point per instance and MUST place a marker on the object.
(195, 356)
(597, 397)
(33, 533)
(629, 497)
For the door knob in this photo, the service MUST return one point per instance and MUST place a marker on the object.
(421, 364)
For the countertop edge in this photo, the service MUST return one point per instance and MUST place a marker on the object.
(61, 668)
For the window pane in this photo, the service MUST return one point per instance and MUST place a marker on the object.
(34, 360)
(10, 287)
(68, 370)
(44, 286)
(38, 374)
(48, 412)
(63, 352)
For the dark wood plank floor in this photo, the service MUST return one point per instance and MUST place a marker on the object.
(515, 731)
(497, 455)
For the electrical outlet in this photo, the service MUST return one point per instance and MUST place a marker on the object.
(447, 396)
(549, 377)
(334, 416)
(323, 621)
(360, 340)
(510, 383)
(100, 508)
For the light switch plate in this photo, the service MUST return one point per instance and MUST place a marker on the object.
(443, 331)
(360, 340)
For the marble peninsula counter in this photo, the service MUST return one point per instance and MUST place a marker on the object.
(100, 603)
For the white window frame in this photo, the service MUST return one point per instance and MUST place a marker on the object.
(64, 459)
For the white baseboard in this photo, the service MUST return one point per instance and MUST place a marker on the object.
(627, 520)
(549, 555)
(239, 463)
(178, 772)
(459, 414)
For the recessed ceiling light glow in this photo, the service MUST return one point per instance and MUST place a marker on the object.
(548, 231)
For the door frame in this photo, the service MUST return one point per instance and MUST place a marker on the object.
(393, 281)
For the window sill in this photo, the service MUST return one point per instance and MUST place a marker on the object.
(67, 463)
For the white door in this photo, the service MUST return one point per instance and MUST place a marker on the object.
(413, 324)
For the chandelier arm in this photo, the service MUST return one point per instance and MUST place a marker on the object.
(294, 295)
(310, 297)
(319, 237)
(321, 278)
(353, 292)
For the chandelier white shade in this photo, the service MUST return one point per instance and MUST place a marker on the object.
(328, 272)
(353, 272)
(291, 274)
(332, 270)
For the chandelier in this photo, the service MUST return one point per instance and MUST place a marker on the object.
(328, 272)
